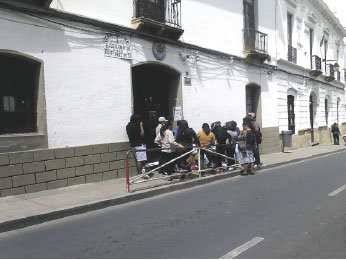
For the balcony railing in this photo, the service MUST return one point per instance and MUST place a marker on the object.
(255, 41)
(330, 70)
(163, 11)
(316, 63)
(292, 54)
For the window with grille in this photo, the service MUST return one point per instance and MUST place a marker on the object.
(291, 115)
(18, 94)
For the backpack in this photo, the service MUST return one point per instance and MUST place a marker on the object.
(258, 137)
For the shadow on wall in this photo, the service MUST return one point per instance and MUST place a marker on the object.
(32, 35)
(92, 42)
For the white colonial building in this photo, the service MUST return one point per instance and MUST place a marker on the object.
(73, 72)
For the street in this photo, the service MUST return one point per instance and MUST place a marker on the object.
(293, 211)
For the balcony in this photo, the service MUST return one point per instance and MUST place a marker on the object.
(255, 45)
(292, 54)
(330, 76)
(316, 69)
(158, 17)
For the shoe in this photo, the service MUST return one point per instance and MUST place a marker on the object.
(231, 168)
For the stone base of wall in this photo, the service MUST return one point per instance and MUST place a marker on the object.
(270, 140)
(38, 170)
(322, 135)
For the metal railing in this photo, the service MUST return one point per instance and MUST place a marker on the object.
(316, 63)
(291, 122)
(292, 54)
(255, 41)
(144, 176)
(330, 70)
(163, 11)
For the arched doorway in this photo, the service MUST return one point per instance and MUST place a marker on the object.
(156, 91)
(312, 110)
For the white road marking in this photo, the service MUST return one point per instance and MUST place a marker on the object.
(337, 191)
(242, 248)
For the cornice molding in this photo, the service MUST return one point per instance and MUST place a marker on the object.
(327, 14)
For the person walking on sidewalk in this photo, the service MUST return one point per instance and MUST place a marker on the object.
(135, 132)
(258, 138)
(336, 133)
(165, 139)
(245, 147)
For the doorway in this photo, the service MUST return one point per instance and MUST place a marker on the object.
(312, 110)
(253, 101)
(156, 92)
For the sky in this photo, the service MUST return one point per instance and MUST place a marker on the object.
(338, 7)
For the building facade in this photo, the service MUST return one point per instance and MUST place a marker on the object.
(75, 71)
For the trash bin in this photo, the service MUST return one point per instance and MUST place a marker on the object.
(287, 138)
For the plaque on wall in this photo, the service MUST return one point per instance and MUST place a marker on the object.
(159, 50)
(118, 46)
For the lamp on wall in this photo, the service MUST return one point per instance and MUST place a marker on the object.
(336, 66)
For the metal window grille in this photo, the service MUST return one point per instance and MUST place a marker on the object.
(255, 40)
(163, 11)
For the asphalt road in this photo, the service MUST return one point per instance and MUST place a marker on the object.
(285, 212)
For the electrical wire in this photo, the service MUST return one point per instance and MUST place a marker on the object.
(193, 52)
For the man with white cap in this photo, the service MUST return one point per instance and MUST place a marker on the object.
(162, 121)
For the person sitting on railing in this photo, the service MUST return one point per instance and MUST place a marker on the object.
(165, 139)
(206, 139)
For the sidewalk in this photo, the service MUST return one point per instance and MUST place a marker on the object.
(30, 209)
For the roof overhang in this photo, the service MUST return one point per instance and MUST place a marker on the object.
(39, 3)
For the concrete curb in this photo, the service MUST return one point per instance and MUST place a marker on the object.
(144, 194)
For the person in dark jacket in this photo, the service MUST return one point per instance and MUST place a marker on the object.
(187, 137)
(135, 132)
(258, 138)
(336, 133)
(221, 137)
(233, 132)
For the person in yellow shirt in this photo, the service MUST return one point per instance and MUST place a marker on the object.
(206, 139)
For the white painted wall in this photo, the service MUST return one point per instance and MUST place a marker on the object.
(218, 24)
(88, 95)
(89, 98)
(301, 25)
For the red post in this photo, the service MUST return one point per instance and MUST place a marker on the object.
(127, 172)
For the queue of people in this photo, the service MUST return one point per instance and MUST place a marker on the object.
(215, 141)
